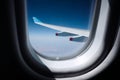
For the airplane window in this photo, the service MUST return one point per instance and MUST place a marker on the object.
(59, 29)
(70, 39)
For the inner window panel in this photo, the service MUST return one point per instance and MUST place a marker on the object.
(59, 29)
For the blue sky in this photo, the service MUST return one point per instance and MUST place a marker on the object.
(68, 13)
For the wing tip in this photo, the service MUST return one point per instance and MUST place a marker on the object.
(36, 20)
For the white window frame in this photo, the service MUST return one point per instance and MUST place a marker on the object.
(91, 55)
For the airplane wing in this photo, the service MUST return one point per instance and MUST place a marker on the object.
(65, 31)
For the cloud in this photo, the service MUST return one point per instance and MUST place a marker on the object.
(54, 46)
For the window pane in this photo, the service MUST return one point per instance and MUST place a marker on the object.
(59, 29)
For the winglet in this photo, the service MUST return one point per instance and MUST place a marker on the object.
(36, 20)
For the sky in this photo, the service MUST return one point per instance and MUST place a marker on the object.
(68, 13)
